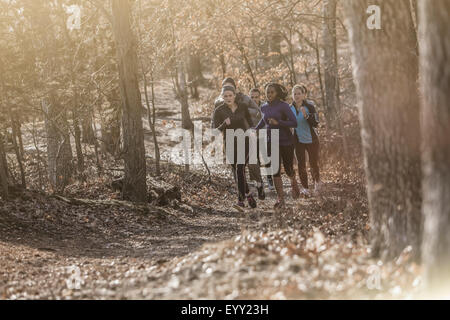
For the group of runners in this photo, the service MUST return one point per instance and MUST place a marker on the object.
(297, 131)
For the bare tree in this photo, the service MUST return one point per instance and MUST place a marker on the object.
(330, 63)
(434, 26)
(134, 186)
(59, 150)
(3, 170)
(385, 67)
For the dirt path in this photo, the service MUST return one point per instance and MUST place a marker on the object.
(120, 250)
(199, 248)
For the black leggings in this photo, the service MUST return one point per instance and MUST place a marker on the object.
(286, 155)
(239, 175)
(239, 171)
(313, 154)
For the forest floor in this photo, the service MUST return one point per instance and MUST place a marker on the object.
(98, 247)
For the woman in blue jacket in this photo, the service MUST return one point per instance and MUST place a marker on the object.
(306, 137)
(278, 115)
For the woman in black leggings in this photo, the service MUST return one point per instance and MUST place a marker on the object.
(277, 115)
(233, 115)
(307, 139)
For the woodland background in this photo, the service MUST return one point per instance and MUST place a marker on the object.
(91, 206)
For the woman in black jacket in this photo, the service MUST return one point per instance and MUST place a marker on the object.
(234, 115)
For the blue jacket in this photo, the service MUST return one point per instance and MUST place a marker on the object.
(305, 132)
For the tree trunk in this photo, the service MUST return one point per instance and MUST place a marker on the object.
(195, 75)
(18, 133)
(183, 96)
(110, 129)
(59, 150)
(385, 69)
(223, 65)
(186, 122)
(87, 129)
(77, 134)
(275, 49)
(434, 25)
(330, 62)
(151, 116)
(319, 72)
(15, 135)
(290, 62)
(3, 171)
(135, 187)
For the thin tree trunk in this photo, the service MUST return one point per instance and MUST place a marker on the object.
(96, 147)
(151, 122)
(38, 153)
(134, 185)
(289, 61)
(15, 134)
(434, 25)
(275, 47)
(180, 85)
(3, 170)
(385, 70)
(291, 58)
(77, 134)
(59, 150)
(155, 139)
(195, 75)
(223, 65)
(319, 71)
(88, 135)
(331, 71)
(18, 134)
(185, 114)
(186, 122)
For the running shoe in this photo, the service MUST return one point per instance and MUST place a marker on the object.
(304, 192)
(261, 193)
(240, 206)
(251, 201)
(270, 183)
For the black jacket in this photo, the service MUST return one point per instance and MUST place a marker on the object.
(238, 118)
(313, 119)
(245, 101)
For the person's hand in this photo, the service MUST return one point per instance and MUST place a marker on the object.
(227, 121)
(303, 110)
(273, 122)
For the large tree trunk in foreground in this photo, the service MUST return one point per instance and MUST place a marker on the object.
(385, 70)
(434, 25)
(135, 187)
